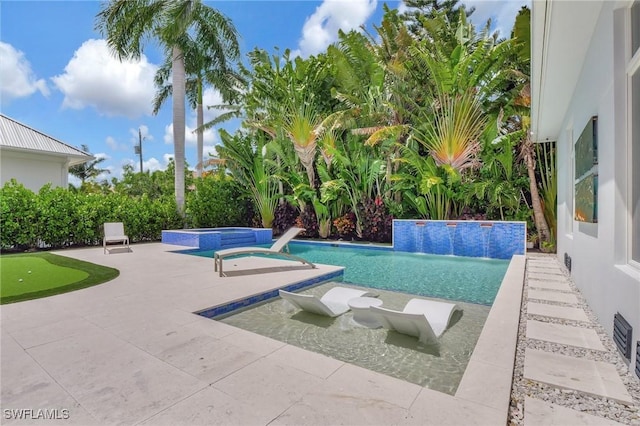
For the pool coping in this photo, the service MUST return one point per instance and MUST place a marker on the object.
(489, 374)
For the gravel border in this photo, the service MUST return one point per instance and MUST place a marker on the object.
(596, 406)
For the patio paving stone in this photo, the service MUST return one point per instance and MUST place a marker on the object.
(564, 312)
(113, 381)
(592, 377)
(542, 413)
(564, 334)
(552, 296)
(548, 285)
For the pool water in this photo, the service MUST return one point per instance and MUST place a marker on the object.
(473, 280)
(437, 366)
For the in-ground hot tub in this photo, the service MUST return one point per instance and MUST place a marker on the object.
(217, 238)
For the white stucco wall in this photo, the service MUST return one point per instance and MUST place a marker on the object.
(33, 170)
(599, 251)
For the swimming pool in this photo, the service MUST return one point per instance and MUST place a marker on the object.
(473, 280)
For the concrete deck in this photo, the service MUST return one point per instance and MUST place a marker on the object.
(131, 351)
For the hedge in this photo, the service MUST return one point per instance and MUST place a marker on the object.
(57, 217)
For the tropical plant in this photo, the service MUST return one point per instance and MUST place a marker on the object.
(156, 184)
(498, 181)
(546, 156)
(246, 159)
(452, 135)
(358, 175)
(323, 217)
(88, 170)
(284, 217)
(428, 188)
(127, 24)
(514, 119)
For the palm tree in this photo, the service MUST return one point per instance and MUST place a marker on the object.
(127, 24)
(88, 170)
(201, 68)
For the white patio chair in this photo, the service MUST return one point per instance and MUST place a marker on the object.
(114, 233)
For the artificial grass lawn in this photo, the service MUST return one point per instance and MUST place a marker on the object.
(34, 275)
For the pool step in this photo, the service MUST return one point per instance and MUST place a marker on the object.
(237, 239)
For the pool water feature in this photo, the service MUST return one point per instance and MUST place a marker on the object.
(473, 280)
(439, 367)
(471, 238)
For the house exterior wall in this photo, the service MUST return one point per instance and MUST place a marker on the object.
(599, 251)
(33, 170)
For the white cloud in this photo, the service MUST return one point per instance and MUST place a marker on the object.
(210, 136)
(75, 181)
(115, 145)
(211, 97)
(95, 78)
(17, 79)
(152, 165)
(101, 155)
(143, 131)
(321, 28)
(105, 175)
(210, 150)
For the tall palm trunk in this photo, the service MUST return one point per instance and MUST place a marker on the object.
(178, 82)
(538, 212)
(199, 132)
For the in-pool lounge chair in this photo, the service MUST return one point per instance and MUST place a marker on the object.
(424, 319)
(331, 304)
(276, 249)
(114, 233)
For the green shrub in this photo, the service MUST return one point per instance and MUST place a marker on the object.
(95, 209)
(17, 216)
(58, 217)
(217, 201)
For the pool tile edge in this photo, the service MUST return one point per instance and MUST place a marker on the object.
(216, 311)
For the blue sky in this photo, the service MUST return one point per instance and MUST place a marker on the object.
(56, 74)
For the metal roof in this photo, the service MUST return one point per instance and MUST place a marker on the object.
(18, 136)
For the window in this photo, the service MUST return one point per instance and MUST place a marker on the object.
(633, 79)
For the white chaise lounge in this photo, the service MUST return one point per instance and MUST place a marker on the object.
(331, 304)
(276, 249)
(114, 233)
(424, 319)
